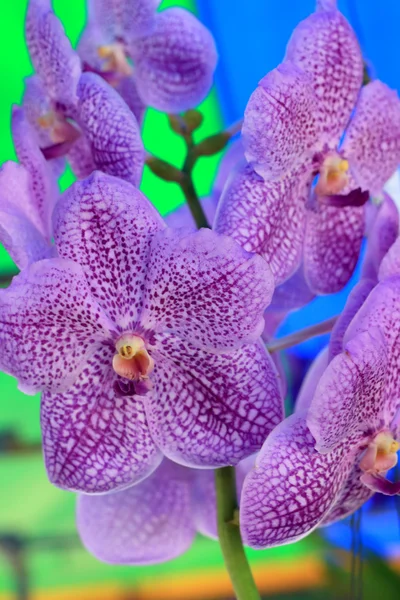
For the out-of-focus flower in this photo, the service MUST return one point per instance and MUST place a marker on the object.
(165, 60)
(292, 132)
(76, 115)
(155, 520)
(133, 308)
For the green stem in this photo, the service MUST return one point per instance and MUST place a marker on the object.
(230, 538)
(187, 186)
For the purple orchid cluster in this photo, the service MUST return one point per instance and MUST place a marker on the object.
(148, 339)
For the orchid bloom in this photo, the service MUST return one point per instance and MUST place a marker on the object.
(76, 115)
(155, 520)
(131, 308)
(322, 463)
(293, 128)
(162, 59)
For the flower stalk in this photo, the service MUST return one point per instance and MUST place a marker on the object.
(302, 335)
(229, 536)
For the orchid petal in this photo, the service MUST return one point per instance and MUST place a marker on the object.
(80, 158)
(106, 225)
(127, 89)
(210, 410)
(174, 66)
(377, 483)
(111, 129)
(326, 48)
(95, 439)
(348, 397)
(148, 523)
(311, 380)
(332, 246)
(48, 325)
(353, 495)
(292, 293)
(280, 131)
(53, 58)
(382, 236)
(200, 285)
(292, 486)
(391, 263)
(372, 141)
(266, 217)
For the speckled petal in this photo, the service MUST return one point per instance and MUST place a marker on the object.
(292, 486)
(148, 523)
(127, 89)
(292, 294)
(53, 58)
(381, 237)
(111, 129)
(94, 438)
(209, 410)
(205, 288)
(80, 158)
(43, 188)
(174, 66)
(266, 217)
(326, 48)
(372, 141)
(311, 380)
(355, 300)
(20, 237)
(36, 104)
(332, 246)
(280, 130)
(48, 325)
(353, 495)
(106, 225)
(391, 263)
(348, 397)
(381, 309)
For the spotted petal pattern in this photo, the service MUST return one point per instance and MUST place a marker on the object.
(174, 66)
(326, 48)
(111, 129)
(211, 409)
(291, 488)
(332, 246)
(53, 58)
(49, 325)
(372, 141)
(106, 225)
(202, 278)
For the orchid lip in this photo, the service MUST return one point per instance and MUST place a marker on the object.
(132, 360)
(381, 454)
(333, 175)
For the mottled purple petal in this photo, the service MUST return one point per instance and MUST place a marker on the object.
(326, 48)
(36, 105)
(205, 288)
(210, 410)
(266, 217)
(174, 66)
(53, 58)
(292, 294)
(355, 300)
(372, 142)
(80, 158)
(381, 237)
(381, 310)
(21, 238)
(353, 495)
(311, 380)
(332, 246)
(111, 129)
(94, 438)
(106, 225)
(292, 486)
(48, 325)
(127, 89)
(391, 263)
(280, 130)
(148, 523)
(348, 397)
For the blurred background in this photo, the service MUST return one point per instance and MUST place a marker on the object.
(40, 554)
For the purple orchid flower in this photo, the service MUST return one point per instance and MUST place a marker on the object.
(293, 125)
(76, 115)
(165, 60)
(327, 459)
(155, 520)
(132, 308)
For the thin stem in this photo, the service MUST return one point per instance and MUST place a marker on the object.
(230, 538)
(301, 336)
(187, 186)
(235, 128)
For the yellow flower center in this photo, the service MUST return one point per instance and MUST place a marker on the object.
(115, 59)
(132, 360)
(333, 175)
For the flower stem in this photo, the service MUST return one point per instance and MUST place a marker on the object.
(230, 538)
(301, 336)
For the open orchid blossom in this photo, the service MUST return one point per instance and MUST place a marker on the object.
(132, 308)
(292, 132)
(162, 59)
(155, 520)
(77, 115)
